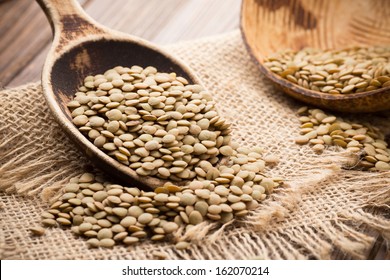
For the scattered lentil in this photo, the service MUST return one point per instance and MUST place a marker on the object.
(113, 221)
(182, 245)
(37, 231)
(366, 141)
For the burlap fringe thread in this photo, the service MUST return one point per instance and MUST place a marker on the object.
(31, 163)
(37, 159)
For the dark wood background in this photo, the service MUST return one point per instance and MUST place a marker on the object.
(25, 37)
(25, 34)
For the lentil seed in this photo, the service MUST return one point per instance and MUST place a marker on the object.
(38, 231)
(349, 76)
(364, 141)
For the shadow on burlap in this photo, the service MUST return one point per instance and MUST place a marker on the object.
(321, 209)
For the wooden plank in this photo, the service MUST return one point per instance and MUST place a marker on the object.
(165, 21)
(8, 9)
(22, 39)
(24, 32)
(201, 18)
(32, 71)
(140, 18)
(168, 21)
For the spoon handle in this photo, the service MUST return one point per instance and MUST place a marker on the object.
(68, 21)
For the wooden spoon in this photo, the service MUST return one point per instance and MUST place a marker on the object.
(269, 26)
(82, 47)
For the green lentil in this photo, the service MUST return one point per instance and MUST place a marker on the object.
(351, 70)
(365, 141)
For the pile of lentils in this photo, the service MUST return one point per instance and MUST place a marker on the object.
(156, 123)
(347, 71)
(320, 130)
(108, 214)
(159, 125)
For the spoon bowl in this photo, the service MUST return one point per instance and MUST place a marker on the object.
(82, 47)
(270, 26)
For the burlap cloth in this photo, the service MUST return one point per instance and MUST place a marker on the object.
(323, 209)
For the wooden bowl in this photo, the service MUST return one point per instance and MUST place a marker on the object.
(269, 26)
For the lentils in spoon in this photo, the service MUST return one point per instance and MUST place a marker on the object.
(156, 123)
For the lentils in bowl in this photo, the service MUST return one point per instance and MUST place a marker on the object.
(347, 71)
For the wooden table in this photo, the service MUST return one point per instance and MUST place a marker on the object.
(25, 33)
(26, 36)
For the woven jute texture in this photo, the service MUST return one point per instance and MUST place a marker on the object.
(322, 209)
